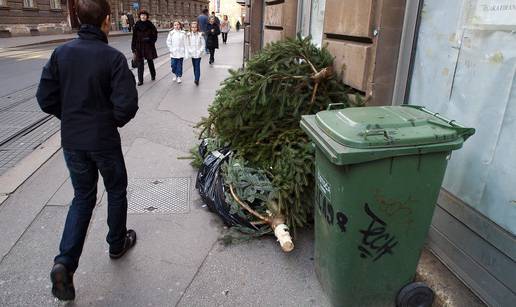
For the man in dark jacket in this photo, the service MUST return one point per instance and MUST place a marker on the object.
(217, 20)
(130, 19)
(202, 21)
(88, 85)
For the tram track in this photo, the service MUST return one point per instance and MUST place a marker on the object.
(23, 126)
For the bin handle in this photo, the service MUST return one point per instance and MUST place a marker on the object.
(331, 105)
(461, 130)
(371, 132)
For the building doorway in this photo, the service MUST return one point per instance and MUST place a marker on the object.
(74, 21)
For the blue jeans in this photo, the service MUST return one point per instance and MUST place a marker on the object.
(206, 43)
(177, 66)
(84, 167)
(196, 63)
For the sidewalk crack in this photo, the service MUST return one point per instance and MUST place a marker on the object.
(32, 222)
(196, 273)
(23, 233)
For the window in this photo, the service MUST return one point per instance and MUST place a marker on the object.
(304, 20)
(3, 2)
(475, 88)
(55, 4)
(28, 3)
(120, 8)
(317, 21)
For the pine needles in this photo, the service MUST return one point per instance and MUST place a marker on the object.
(257, 112)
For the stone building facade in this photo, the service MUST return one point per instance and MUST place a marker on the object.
(36, 17)
(233, 9)
(162, 12)
(33, 17)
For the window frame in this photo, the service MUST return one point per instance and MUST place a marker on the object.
(55, 5)
(32, 2)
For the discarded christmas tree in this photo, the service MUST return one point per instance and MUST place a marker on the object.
(257, 113)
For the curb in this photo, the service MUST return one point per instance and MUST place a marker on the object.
(14, 177)
(62, 40)
(449, 290)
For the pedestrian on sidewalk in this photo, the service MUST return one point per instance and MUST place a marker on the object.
(176, 42)
(88, 85)
(217, 20)
(238, 25)
(125, 23)
(195, 45)
(143, 46)
(212, 34)
(202, 21)
(130, 19)
(225, 27)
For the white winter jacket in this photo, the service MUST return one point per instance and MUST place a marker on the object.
(176, 42)
(195, 44)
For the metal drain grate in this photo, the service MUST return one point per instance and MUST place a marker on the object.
(159, 196)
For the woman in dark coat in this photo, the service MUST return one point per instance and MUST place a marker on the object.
(143, 45)
(212, 34)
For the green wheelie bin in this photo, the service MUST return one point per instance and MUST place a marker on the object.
(378, 173)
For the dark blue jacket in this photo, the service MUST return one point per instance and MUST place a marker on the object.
(88, 85)
(202, 20)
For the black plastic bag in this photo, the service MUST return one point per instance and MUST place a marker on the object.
(211, 185)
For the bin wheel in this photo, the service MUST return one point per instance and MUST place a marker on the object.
(416, 294)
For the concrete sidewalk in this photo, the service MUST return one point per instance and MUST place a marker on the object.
(25, 41)
(178, 260)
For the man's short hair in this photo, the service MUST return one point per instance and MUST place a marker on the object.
(92, 12)
(144, 12)
(205, 11)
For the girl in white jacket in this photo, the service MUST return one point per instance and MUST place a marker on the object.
(176, 42)
(195, 45)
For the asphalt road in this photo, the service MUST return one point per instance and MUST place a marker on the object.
(21, 67)
(23, 127)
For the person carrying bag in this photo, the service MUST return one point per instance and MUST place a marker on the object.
(143, 46)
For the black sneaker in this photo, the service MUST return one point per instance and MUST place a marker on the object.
(62, 283)
(153, 78)
(196, 82)
(130, 241)
(140, 83)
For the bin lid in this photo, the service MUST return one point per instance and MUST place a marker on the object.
(393, 126)
(378, 132)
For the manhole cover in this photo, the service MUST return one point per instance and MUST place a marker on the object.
(150, 195)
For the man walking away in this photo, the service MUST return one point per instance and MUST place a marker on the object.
(202, 21)
(130, 19)
(217, 20)
(89, 87)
